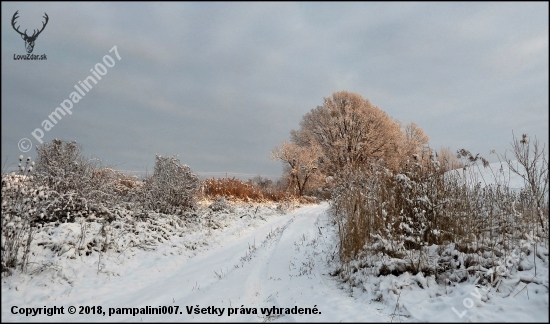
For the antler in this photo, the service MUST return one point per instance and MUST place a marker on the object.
(34, 34)
(13, 24)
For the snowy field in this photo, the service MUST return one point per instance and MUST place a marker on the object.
(496, 172)
(258, 264)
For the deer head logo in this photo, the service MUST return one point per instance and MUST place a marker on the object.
(29, 40)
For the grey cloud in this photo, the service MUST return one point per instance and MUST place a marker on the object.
(221, 84)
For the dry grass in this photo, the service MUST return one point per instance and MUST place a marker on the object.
(401, 215)
(248, 191)
(231, 188)
(235, 189)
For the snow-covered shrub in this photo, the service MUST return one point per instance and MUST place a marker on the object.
(172, 187)
(220, 204)
(59, 190)
(76, 186)
(62, 168)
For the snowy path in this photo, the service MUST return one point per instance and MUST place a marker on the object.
(280, 263)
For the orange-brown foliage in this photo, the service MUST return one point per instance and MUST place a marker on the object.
(233, 188)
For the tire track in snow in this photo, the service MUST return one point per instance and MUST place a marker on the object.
(271, 277)
(258, 272)
(304, 280)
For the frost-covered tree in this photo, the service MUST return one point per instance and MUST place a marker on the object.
(414, 140)
(351, 132)
(301, 162)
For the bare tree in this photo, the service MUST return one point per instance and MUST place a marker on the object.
(301, 162)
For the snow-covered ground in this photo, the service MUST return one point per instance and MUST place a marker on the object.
(494, 173)
(256, 266)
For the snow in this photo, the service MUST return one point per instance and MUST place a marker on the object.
(495, 173)
(256, 258)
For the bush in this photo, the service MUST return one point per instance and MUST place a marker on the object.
(66, 187)
(61, 167)
(172, 187)
(77, 186)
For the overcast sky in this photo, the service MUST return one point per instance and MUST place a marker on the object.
(221, 84)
